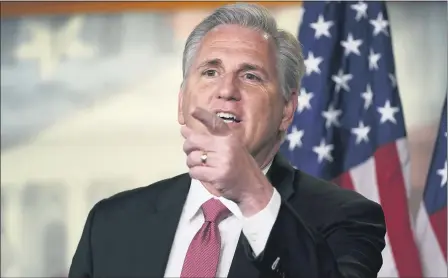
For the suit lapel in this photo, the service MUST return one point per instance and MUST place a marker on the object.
(156, 233)
(242, 265)
(281, 176)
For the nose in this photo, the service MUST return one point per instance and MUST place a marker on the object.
(228, 88)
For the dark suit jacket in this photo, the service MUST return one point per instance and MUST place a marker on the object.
(321, 231)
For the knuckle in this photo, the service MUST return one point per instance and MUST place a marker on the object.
(192, 173)
(195, 139)
(183, 131)
(189, 161)
(191, 138)
(185, 146)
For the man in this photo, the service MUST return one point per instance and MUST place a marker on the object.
(226, 218)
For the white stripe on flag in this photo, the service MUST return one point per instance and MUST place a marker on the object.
(405, 160)
(433, 262)
(364, 182)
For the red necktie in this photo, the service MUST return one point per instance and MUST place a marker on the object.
(203, 254)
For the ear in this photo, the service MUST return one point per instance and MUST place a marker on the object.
(180, 114)
(289, 111)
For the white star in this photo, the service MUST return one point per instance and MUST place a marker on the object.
(323, 151)
(361, 132)
(341, 81)
(379, 25)
(443, 174)
(361, 10)
(351, 45)
(393, 80)
(331, 116)
(48, 48)
(295, 138)
(373, 60)
(387, 113)
(312, 63)
(368, 97)
(321, 27)
(304, 100)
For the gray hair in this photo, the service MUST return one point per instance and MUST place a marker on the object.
(290, 63)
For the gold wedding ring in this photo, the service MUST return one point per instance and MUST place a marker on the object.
(204, 158)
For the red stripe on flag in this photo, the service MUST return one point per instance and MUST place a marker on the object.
(438, 223)
(392, 192)
(345, 181)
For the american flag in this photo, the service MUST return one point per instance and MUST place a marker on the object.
(349, 124)
(431, 219)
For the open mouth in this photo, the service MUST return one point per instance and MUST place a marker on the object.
(228, 117)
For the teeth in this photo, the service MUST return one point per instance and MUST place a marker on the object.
(226, 116)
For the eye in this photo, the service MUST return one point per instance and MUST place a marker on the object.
(252, 77)
(210, 73)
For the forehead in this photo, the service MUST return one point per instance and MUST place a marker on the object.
(233, 31)
(240, 43)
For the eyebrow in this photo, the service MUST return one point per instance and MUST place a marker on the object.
(212, 62)
(242, 67)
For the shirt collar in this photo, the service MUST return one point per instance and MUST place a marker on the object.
(198, 194)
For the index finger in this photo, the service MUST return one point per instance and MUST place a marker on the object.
(214, 124)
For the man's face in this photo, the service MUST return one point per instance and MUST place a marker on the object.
(234, 75)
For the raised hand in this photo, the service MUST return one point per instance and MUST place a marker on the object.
(223, 165)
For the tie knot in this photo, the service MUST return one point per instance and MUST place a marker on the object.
(214, 210)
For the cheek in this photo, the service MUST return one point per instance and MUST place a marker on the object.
(193, 99)
(258, 101)
(271, 112)
(201, 92)
(260, 113)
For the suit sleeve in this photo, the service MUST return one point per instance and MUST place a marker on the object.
(82, 266)
(348, 247)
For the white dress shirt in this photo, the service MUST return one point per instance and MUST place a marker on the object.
(256, 228)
